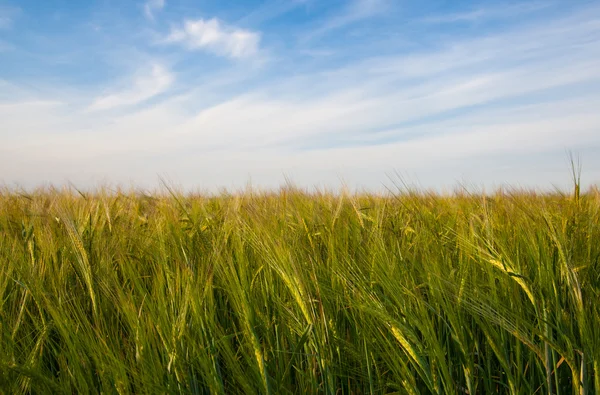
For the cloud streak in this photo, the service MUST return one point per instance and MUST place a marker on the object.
(486, 13)
(355, 11)
(153, 6)
(5, 22)
(144, 86)
(216, 37)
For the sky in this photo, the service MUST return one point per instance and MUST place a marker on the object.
(213, 94)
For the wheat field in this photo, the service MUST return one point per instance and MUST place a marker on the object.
(280, 292)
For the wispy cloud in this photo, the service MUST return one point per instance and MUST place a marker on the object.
(5, 21)
(273, 9)
(4, 46)
(7, 16)
(144, 87)
(214, 36)
(486, 13)
(152, 6)
(355, 11)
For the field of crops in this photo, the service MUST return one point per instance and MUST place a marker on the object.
(296, 292)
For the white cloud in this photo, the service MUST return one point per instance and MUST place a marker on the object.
(357, 116)
(144, 87)
(264, 139)
(214, 36)
(152, 6)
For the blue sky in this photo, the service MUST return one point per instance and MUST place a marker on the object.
(213, 94)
